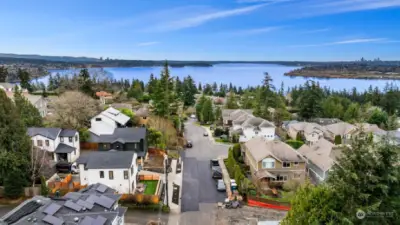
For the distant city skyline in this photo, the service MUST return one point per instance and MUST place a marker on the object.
(248, 30)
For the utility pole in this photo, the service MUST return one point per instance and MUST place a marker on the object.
(166, 178)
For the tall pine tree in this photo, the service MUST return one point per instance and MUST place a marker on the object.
(28, 113)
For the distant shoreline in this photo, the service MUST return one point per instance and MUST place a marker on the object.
(360, 76)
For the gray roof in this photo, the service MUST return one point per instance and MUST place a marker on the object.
(341, 128)
(319, 153)
(63, 148)
(143, 112)
(260, 149)
(51, 133)
(56, 209)
(68, 133)
(325, 121)
(257, 122)
(107, 160)
(127, 134)
(233, 114)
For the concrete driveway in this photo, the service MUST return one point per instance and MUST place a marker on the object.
(198, 185)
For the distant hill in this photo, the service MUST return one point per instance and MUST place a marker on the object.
(50, 58)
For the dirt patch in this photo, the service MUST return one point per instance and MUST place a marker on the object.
(247, 215)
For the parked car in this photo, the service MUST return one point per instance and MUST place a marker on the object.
(205, 134)
(221, 185)
(193, 116)
(216, 173)
(66, 167)
(214, 163)
(189, 144)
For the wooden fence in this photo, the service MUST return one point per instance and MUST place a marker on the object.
(28, 191)
(149, 177)
(89, 146)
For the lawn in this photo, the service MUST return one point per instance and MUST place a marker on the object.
(285, 198)
(219, 140)
(151, 186)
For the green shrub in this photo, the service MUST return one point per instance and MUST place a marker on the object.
(299, 137)
(14, 184)
(165, 209)
(338, 140)
(236, 151)
(44, 190)
(295, 143)
(218, 132)
(291, 185)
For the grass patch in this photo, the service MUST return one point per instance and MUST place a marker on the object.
(219, 140)
(151, 186)
(286, 197)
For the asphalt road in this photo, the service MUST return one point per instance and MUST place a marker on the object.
(198, 185)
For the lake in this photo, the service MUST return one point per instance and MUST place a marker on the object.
(239, 75)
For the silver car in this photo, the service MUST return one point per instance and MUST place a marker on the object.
(221, 185)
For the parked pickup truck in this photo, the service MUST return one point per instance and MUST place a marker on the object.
(215, 169)
(66, 167)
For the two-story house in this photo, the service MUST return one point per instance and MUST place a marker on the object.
(123, 139)
(117, 170)
(311, 132)
(273, 161)
(107, 121)
(342, 129)
(61, 144)
(252, 127)
(95, 205)
(143, 116)
(318, 158)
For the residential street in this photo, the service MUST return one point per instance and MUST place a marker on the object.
(198, 186)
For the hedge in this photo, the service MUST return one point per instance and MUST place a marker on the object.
(295, 143)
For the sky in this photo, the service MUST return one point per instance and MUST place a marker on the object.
(320, 30)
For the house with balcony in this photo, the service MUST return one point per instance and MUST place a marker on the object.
(96, 204)
(273, 161)
(250, 127)
(61, 144)
(118, 170)
(318, 159)
(311, 132)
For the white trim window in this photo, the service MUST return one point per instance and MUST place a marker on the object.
(295, 164)
(268, 163)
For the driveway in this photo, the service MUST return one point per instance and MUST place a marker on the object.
(198, 186)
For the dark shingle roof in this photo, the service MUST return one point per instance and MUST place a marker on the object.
(68, 133)
(127, 134)
(107, 160)
(50, 133)
(63, 148)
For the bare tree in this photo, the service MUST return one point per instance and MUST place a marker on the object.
(39, 163)
(169, 134)
(74, 110)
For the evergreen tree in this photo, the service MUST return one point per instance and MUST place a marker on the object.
(51, 86)
(162, 97)
(86, 82)
(3, 74)
(352, 113)
(309, 102)
(136, 90)
(28, 113)
(14, 141)
(199, 107)
(24, 78)
(14, 184)
(189, 91)
(215, 87)
(218, 114)
(207, 111)
(231, 103)
(152, 84)
(200, 88)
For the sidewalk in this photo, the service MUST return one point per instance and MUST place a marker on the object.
(175, 178)
(211, 137)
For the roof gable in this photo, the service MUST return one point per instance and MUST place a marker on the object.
(116, 115)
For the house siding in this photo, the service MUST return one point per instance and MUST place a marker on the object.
(105, 126)
(140, 146)
(119, 183)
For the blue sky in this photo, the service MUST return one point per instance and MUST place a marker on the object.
(203, 29)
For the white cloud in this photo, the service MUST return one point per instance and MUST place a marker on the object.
(148, 43)
(203, 18)
(259, 1)
(345, 42)
(256, 30)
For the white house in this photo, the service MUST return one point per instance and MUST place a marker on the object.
(116, 169)
(252, 127)
(107, 121)
(62, 144)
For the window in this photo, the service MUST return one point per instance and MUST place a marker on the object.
(144, 117)
(135, 145)
(61, 139)
(286, 164)
(70, 139)
(76, 138)
(33, 142)
(132, 170)
(296, 176)
(296, 164)
(268, 163)
(126, 174)
(47, 143)
(39, 143)
(101, 174)
(98, 119)
(282, 178)
(111, 175)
